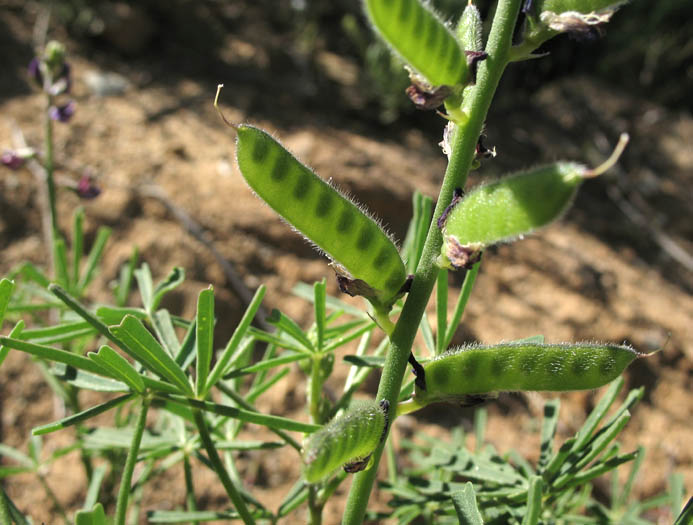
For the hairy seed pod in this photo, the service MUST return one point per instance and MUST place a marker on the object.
(347, 440)
(470, 28)
(507, 209)
(317, 210)
(421, 39)
(523, 366)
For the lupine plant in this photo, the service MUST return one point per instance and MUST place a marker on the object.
(178, 395)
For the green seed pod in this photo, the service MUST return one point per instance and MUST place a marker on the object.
(470, 28)
(328, 219)
(421, 39)
(348, 440)
(522, 366)
(511, 207)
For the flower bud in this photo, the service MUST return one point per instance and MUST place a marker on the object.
(469, 29)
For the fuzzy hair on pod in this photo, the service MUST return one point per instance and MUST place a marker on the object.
(523, 366)
(347, 439)
(507, 209)
(417, 35)
(326, 217)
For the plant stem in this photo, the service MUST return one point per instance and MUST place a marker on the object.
(126, 479)
(463, 152)
(5, 518)
(218, 466)
(48, 166)
(190, 504)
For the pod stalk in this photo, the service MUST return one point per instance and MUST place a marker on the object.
(219, 112)
(611, 161)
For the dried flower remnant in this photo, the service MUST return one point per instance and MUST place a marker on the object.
(15, 159)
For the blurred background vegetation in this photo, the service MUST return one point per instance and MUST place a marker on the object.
(648, 48)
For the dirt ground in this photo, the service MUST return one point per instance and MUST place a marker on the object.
(616, 268)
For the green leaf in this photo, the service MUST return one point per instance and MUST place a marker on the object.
(686, 516)
(145, 283)
(110, 315)
(124, 285)
(465, 292)
(95, 516)
(119, 367)
(54, 354)
(107, 438)
(59, 333)
(441, 310)
(31, 273)
(17, 455)
(205, 338)
(60, 256)
(94, 257)
(548, 431)
(16, 332)
(227, 356)
(142, 346)
(533, 501)
(427, 334)
(320, 295)
(306, 292)
(365, 360)
(585, 433)
(175, 277)
(288, 326)
(94, 486)
(6, 287)
(87, 380)
(186, 516)
(465, 506)
(598, 470)
(166, 332)
(186, 354)
(77, 243)
(75, 419)
(266, 365)
(275, 422)
(294, 498)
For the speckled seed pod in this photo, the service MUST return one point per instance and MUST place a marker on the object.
(423, 41)
(317, 210)
(507, 209)
(520, 366)
(348, 440)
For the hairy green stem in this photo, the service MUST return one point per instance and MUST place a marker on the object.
(463, 152)
(218, 467)
(5, 518)
(126, 479)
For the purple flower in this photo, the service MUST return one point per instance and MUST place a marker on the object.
(62, 113)
(11, 159)
(34, 70)
(87, 188)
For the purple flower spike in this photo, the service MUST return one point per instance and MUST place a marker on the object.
(11, 159)
(87, 188)
(62, 113)
(34, 70)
